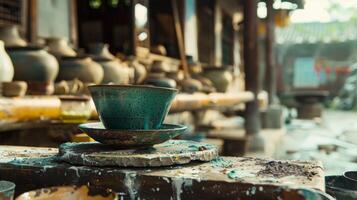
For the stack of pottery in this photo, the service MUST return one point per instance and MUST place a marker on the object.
(131, 116)
(157, 76)
(32, 64)
(221, 77)
(11, 36)
(114, 71)
(140, 72)
(73, 66)
(59, 47)
(82, 68)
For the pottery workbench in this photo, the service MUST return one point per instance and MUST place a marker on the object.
(222, 178)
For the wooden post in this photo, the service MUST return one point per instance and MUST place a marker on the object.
(252, 115)
(180, 38)
(73, 21)
(32, 21)
(270, 72)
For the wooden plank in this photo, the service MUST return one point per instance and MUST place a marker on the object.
(47, 108)
(223, 178)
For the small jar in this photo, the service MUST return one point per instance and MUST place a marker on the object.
(75, 109)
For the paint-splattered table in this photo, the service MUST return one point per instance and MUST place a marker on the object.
(222, 178)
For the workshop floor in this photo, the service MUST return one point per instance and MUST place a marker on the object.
(332, 140)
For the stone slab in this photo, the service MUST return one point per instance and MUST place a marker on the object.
(172, 152)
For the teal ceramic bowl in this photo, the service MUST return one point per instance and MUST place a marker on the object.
(7, 190)
(131, 106)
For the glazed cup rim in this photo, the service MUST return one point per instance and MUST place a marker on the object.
(133, 86)
(346, 175)
(11, 186)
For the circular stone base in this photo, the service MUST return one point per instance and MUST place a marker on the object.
(172, 152)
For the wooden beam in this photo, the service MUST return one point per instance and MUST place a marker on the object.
(251, 68)
(270, 72)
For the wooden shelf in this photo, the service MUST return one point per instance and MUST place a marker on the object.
(48, 107)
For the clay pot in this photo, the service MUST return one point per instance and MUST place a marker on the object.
(61, 88)
(73, 87)
(162, 82)
(82, 68)
(159, 49)
(11, 37)
(40, 88)
(155, 75)
(207, 85)
(221, 77)
(33, 64)
(100, 50)
(59, 47)
(140, 71)
(160, 66)
(177, 76)
(6, 66)
(114, 71)
(14, 89)
(191, 85)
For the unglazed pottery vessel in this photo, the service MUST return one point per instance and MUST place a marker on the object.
(81, 68)
(132, 107)
(59, 47)
(11, 37)
(114, 71)
(6, 66)
(100, 50)
(14, 89)
(33, 64)
(221, 77)
(162, 82)
(140, 71)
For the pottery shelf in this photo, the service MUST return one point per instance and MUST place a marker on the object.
(222, 178)
(48, 107)
(36, 124)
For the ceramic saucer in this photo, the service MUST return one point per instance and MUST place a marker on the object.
(132, 138)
